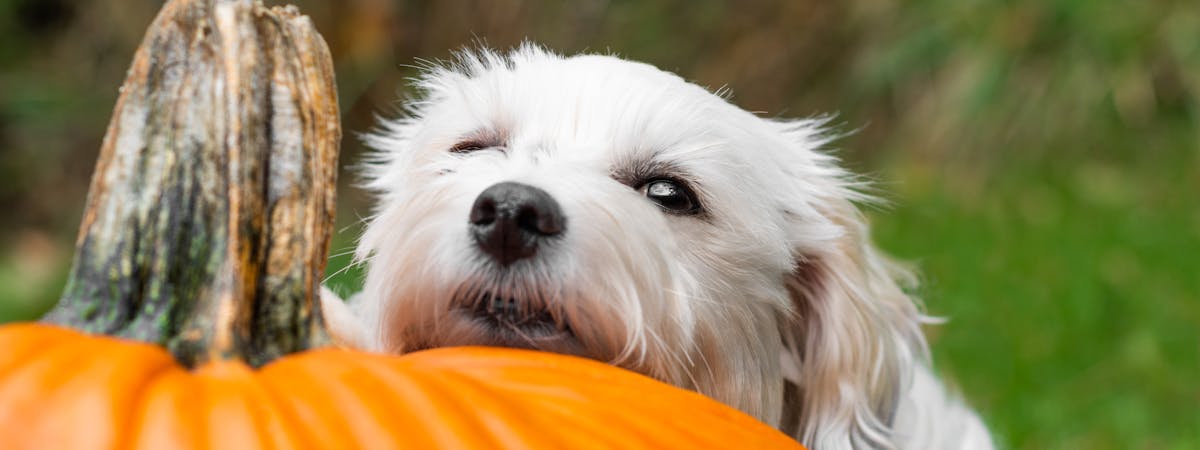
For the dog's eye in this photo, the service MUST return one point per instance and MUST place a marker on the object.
(672, 196)
(468, 147)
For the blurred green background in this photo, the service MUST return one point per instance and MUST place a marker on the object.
(1042, 157)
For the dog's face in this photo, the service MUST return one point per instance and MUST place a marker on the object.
(604, 208)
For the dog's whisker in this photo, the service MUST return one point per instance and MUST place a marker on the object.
(338, 272)
(662, 348)
(348, 251)
(705, 365)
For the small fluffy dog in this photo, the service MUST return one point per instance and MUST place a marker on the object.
(598, 207)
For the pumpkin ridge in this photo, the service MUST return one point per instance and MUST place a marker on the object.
(235, 388)
(52, 358)
(124, 371)
(19, 392)
(25, 339)
(246, 385)
(128, 429)
(286, 401)
(416, 396)
(159, 426)
(66, 386)
(319, 392)
(281, 404)
(589, 380)
(431, 382)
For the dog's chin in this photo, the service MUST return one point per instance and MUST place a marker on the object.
(495, 321)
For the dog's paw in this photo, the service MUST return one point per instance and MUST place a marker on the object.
(343, 325)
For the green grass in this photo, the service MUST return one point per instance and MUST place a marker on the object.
(1073, 297)
(342, 276)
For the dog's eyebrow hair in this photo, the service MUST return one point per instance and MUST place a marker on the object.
(637, 172)
(634, 172)
(483, 137)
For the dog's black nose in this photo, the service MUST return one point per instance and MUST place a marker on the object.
(509, 219)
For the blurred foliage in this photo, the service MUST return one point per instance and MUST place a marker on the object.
(1042, 157)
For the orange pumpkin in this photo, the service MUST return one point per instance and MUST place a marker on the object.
(60, 389)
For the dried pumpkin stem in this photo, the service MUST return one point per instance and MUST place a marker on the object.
(210, 211)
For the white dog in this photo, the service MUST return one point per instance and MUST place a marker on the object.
(599, 207)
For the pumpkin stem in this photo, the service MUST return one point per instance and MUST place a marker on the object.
(211, 208)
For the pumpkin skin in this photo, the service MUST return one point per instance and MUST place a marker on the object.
(62, 389)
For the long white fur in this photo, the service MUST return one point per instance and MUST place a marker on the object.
(774, 301)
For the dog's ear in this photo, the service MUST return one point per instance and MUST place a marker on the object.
(853, 334)
(851, 340)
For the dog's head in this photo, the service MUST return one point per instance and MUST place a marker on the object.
(604, 208)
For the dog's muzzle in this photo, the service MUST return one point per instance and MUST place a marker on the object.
(498, 312)
(510, 220)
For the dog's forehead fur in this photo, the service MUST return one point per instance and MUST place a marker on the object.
(554, 104)
(604, 116)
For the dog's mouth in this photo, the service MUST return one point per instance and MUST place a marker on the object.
(510, 313)
(509, 321)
